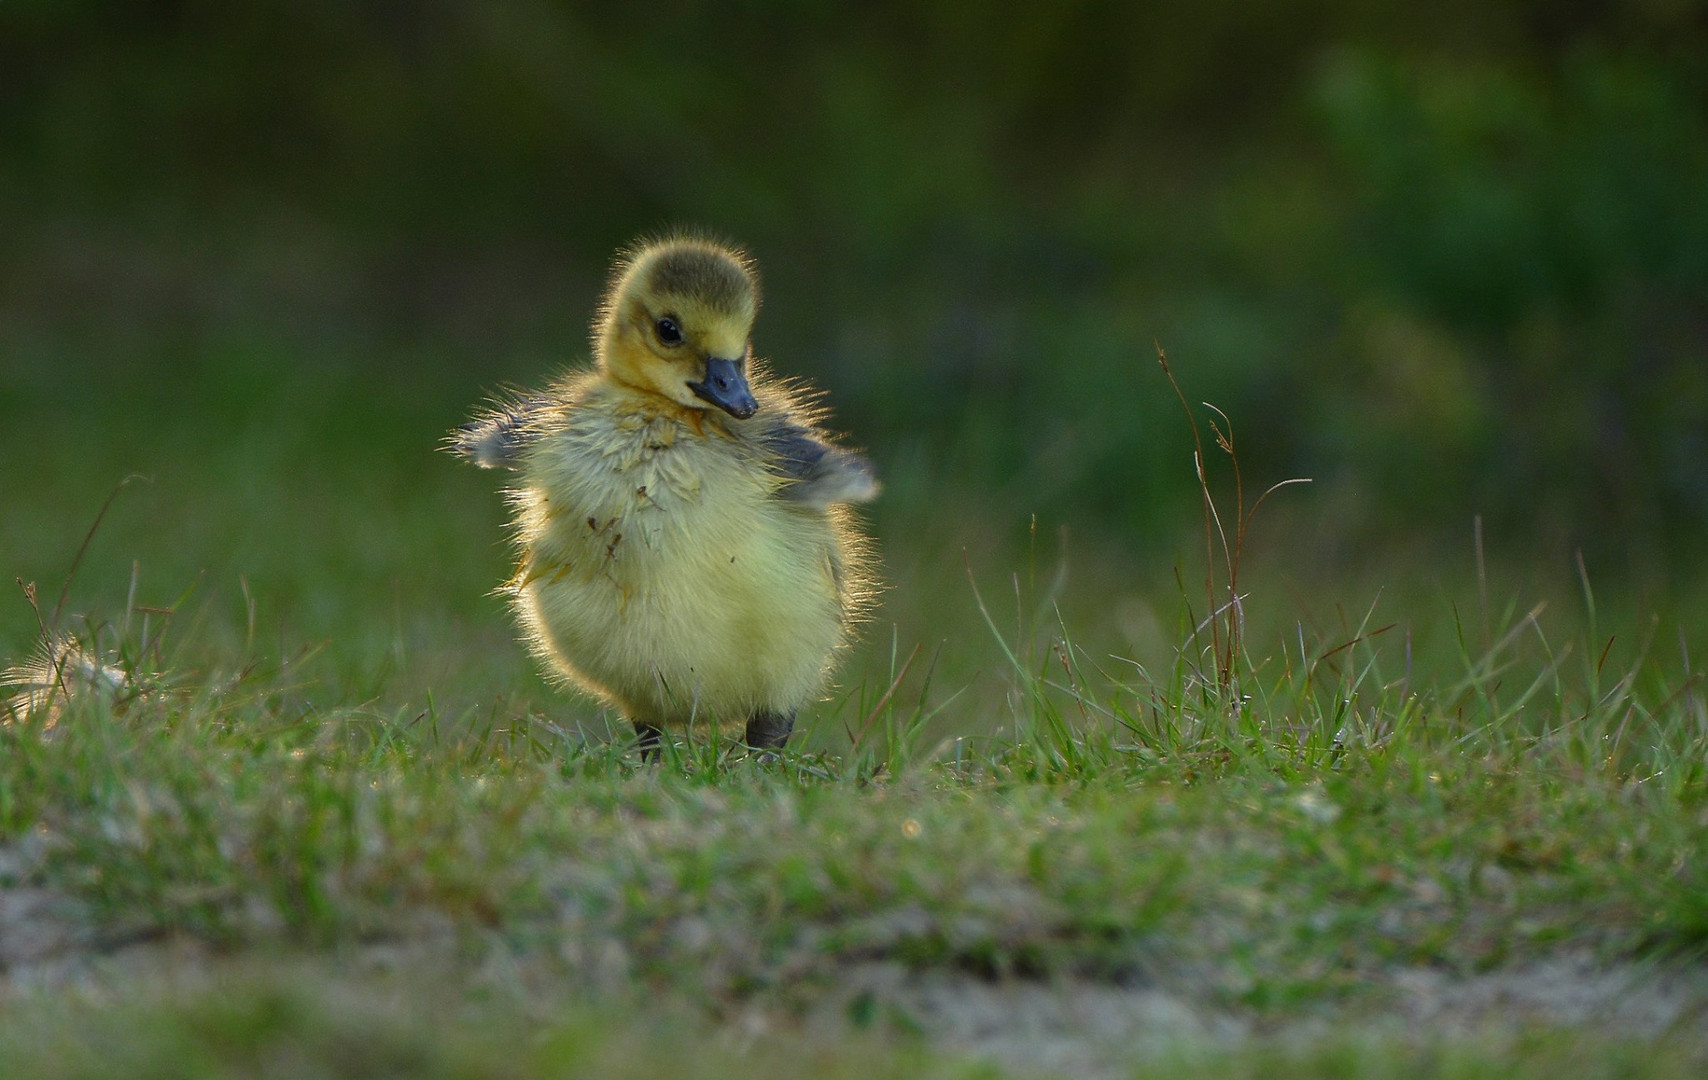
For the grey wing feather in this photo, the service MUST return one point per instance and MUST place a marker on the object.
(495, 441)
(818, 474)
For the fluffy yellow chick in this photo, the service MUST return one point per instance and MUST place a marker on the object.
(686, 548)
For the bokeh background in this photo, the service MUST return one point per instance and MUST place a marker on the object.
(1448, 260)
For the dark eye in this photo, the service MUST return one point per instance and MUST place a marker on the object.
(668, 332)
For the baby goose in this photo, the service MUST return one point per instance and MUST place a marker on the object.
(686, 549)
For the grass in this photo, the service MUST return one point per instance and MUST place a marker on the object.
(1269, 855)
(271, 841)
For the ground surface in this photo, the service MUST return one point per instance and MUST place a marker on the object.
(1170, 887)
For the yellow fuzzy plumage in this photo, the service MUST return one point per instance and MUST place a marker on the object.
(684, 545)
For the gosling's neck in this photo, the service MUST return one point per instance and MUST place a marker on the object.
(628, 399)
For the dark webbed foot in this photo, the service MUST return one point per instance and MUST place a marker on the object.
(649, 739)
(767, 730)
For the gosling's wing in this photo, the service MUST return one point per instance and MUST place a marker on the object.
(495, 440)
(817, 474)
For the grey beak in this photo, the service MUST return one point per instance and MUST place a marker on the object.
(726, 387)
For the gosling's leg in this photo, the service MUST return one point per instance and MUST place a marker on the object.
(649, 738)
(767, 730)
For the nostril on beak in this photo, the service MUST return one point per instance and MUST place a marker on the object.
(726, 387)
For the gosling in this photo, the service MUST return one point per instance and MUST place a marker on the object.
(686, 549)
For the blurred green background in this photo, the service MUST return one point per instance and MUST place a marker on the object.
(1448, 260)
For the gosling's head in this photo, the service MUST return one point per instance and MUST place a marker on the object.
(676, 322)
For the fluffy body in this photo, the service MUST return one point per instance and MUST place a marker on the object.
(677, 560)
